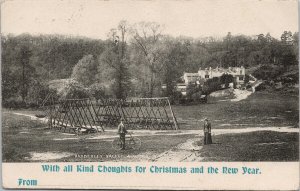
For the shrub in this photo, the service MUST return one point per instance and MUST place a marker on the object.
(268, 72)
(85, 70)
(192, 89)
(13, 102)
(248, 86)
(212, 85)
(261, 87)
(97, 91)
(37, 92)
(247, 79)
(226, 79)
(73, 90)
(176, 97)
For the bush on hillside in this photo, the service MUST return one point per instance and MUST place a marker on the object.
(13, 102)
(226, 79)
(268, 72)
(212, 85)
(69, 89)
(97, 91)
(74, 90)
(37, 92)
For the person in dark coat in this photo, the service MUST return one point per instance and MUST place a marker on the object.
(207, 132)
(122, 133)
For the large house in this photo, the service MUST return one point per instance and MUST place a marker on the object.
(201, 76)
(238, 74)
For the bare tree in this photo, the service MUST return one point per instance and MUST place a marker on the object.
(115, 57)
(146, 36)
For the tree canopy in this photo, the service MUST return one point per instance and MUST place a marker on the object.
(135, 60)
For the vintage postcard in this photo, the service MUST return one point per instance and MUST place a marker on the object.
(175, 94)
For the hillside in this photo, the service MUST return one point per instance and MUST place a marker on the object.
(29, 62)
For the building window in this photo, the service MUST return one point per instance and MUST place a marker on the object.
(206, 76)
(241, 78)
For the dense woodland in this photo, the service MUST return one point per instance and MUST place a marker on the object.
(134, 61)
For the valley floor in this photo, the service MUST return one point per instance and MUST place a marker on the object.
(263, 127)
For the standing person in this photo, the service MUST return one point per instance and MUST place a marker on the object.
(122, 132)
(207, 132)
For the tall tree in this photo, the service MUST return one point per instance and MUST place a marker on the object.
(296, 44)
(85, 70)
(175, 63)
(146, 36)
(286, 37)
(26, 69)
(116, 57)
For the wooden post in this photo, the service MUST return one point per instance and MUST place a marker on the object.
(173, 116)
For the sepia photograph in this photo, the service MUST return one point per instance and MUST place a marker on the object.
(149, 81)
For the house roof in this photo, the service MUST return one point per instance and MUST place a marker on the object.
(191, 74)
(220, 69)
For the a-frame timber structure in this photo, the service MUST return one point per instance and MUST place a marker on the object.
(87, 115)
(142, 113)
(77, 115)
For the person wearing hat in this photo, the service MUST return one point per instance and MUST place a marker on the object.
(122, 133)
(207, 132)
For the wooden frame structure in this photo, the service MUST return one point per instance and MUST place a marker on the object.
(78, 115)
(143, 113)
(86, 115)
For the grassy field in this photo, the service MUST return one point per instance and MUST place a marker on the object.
(25, 140)
(261, 109)
(254, 146)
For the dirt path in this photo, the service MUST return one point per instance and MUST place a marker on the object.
(111, 134)
(189, 151)
(31, 116)
(241, 94)
(184, 152)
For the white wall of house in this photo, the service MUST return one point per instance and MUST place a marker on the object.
(218, 72)
(190, 77)
(237, 72)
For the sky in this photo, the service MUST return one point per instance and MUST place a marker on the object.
(193, 18)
